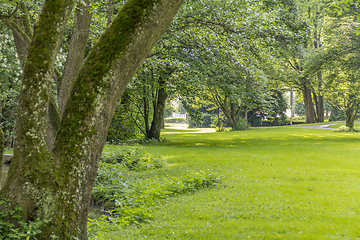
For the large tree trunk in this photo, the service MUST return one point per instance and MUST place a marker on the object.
(57, 185)
(159, 107)
(309, 105)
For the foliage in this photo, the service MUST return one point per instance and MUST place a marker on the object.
(122, 127)
(134, 159)
(219, 122)
(10, 81)
(130, 201)
(337, 114)
(299, 108)
(207, 120)
(21, 230)
(240, 125)
(346, 129)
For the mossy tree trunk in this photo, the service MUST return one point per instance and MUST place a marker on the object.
(57, 185)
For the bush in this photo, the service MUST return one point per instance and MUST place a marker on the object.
(240, 125)
(134, 159)
(219, 123)
(347, 129)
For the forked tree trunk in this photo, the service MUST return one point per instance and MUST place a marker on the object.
(159, 108)
(57, 185)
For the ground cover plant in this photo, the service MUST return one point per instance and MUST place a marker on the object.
(281, 183)
(124, 198)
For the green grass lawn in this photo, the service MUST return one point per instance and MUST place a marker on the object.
(280, 183)
(343, 124)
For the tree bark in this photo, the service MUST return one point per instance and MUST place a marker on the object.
(351, 112)
(321, 110)
(309, 106)
(21, 43)
(111, 9)
(315, 97)
(146, 110)
(159, 107)
(75, 57)
(57, 185)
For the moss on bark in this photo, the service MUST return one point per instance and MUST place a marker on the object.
(58, 184)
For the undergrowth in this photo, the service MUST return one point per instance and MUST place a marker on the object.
(134, 158)
(20, 230)
(126, 200)
(347, 129)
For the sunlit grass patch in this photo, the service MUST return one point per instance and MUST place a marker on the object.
(280, 183)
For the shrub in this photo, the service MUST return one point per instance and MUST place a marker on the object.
(134, 159)
(347, 129)
(240, 125)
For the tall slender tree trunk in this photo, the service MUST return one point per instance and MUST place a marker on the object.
(320, 102)
(309, 106)
(111, 9)
(57, 185)
(76, 53)
(146, 110)
(159, 108)
(315, 97)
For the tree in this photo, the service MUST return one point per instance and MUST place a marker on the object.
(226, 48)
(342, 67)
(56, 184)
